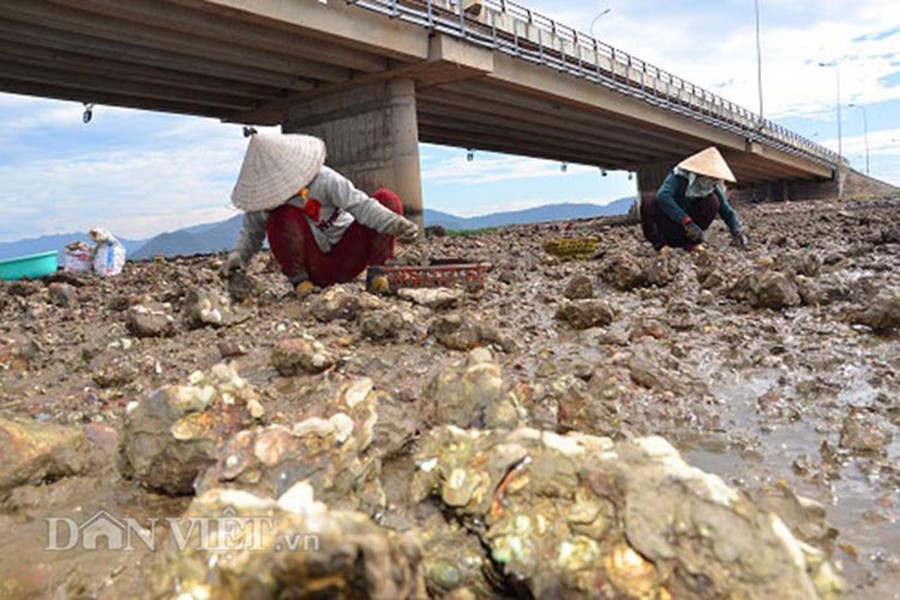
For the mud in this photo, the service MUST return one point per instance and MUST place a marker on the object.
(775, 368)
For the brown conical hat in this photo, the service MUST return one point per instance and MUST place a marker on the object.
(709, 162)
(275, 168)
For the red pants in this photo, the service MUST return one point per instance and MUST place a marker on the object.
(661, 231)
(296, 251)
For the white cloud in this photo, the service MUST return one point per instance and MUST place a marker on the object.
(458, 170)
(884, 153)
(140, 173)
(134, 192)
(885, 142)
(713, 45)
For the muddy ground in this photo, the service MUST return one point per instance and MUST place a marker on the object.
(756, 364)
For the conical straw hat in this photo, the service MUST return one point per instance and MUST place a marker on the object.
(709, 162)
(275, 168)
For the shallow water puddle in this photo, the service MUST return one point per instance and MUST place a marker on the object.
(782, 442)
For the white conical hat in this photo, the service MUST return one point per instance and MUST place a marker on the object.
(275, 168)
(709, 162)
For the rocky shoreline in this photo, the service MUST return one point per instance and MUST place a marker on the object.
(631, 425)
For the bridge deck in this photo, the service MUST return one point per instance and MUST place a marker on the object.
(508, 80)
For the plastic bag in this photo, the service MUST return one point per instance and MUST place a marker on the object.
(109, 254)
(78, 257)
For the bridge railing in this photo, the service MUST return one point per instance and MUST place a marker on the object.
(519, 31)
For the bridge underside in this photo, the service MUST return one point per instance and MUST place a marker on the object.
(267, 62)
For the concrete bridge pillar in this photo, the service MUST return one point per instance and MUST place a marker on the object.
(650, 176)
(779, 191)
(372, 137)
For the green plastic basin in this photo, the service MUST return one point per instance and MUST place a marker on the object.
(35, 265)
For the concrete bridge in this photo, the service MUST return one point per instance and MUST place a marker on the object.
(376, 77)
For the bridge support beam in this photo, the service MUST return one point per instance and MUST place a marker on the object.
(650, 176)
(372, 137)
(779, 191)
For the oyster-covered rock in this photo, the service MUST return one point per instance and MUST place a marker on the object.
(579, 516)
(37, 452)
(433, 298)
(589, 407)
(808, 264)
(767, 289)
(660, 271)
(460, 331)
(151, 320)
(623, 271)
(242, 286)
(297, 356)
(293, 547)
(811, 293)
(17, 353)
(861, 432)
(327, 451)
(116, 372)
(455, 563)
(774, 290)
(62, 294)
(584, 314)
(470, 394)
(206, 307)
(386, 324)
(336, 303)
(882, 312)
(805, 517)
(173, 435)
(579, 287)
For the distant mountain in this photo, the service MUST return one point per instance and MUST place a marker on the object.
(436, 218)
(200, 239)
(221, 236)
(539, 214)
(201, 227)
(56, 242)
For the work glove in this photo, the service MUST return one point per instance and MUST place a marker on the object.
(738, 238)
(233, 263)
(693, 232)
(406, 231)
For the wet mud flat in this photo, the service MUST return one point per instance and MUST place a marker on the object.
(775, 368)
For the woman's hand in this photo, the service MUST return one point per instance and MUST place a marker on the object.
(406, 231)
(233, 263)
(738, 238)
(693, 232)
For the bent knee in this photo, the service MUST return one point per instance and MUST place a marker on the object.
(389, 200)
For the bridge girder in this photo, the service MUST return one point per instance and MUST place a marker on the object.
(254, 60)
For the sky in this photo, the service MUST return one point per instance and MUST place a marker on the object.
(141, 173)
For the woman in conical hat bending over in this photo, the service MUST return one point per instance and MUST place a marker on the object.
(321, 229)
(688, 202)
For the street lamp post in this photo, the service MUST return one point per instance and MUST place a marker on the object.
(594, 22)
(865, 131)
(837, 70)
(758, 62)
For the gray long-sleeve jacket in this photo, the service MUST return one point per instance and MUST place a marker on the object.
(341, 204)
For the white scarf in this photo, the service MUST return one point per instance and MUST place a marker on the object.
(699, 186)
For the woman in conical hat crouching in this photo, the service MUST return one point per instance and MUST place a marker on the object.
(321, 229)
(687, 203)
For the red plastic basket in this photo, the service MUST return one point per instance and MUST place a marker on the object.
(471, 276)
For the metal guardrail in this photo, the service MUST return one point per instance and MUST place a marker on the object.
(518, 31)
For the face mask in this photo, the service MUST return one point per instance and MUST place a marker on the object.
(700, 186)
